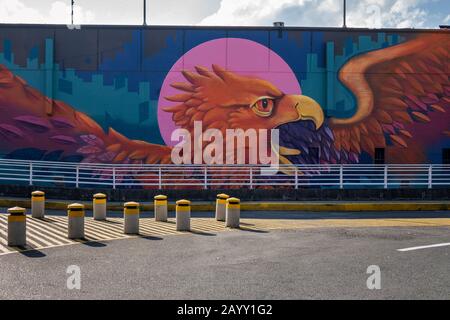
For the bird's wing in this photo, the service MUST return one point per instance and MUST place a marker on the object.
(34, 126)
(396, 89)
(200, 96)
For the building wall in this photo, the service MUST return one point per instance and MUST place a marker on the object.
(120, 78)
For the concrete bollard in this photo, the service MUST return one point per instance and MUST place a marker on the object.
(221, 205)
(160, 205)
(75, 212)
(17, 227)
(131, 218)
(183, 213)
(233, 213)
(38, 204)
(99, 206)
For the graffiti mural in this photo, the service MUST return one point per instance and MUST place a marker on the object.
(116, 94)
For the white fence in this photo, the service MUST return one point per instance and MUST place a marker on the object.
(43, 173)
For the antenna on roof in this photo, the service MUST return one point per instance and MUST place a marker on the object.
(345, 14)
(145, 12)
(71, 14)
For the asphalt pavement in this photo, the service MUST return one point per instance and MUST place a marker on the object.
(322, 263)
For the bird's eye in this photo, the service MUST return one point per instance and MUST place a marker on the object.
(263, 107)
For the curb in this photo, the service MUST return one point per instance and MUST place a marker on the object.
(261, 206)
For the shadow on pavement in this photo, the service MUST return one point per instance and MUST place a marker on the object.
(202, 233)
(252, 230)
(150, 237)
(33, 253)
(94, 244)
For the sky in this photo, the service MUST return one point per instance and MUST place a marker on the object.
(310, 13)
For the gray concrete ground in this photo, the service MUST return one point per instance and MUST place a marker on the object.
(326, 263)
(283, 214)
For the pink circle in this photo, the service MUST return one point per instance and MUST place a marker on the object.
(241, 56)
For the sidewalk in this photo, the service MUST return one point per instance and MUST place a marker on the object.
(313, 206)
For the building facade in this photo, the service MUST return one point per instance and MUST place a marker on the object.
(110, 94)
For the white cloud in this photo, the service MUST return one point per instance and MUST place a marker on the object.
(15, 11)
(363, 13)
(447, 19)
(393, 13)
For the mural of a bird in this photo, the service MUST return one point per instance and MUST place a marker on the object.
(402, 95)
(224, 100)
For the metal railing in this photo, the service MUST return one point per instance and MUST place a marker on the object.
(82, 175)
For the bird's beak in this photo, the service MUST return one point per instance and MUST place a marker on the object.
(297, 107)
(309, 109)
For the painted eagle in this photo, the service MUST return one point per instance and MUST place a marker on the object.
(402, 94)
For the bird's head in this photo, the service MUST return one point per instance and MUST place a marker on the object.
(224, 100)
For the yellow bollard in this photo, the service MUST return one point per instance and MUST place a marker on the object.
(131, 218)
(221, 204)
(233, 213)
(75, 213)
(38, 204)
(17, 227)
(99, 206)
(160, 204)
(183, 215)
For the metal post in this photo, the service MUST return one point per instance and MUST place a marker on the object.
(114, 178)
(145, 12)
(77, 177)
(345, 14)
(296, 178)
(160, 178)
(31, 173)
(73, 2)
(385, 177)
(430, 176)
(205, 183)
(251, 178)
(341, 177)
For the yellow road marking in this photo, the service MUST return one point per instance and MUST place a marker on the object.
(51, 231)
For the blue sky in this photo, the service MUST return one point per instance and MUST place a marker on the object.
(361, 13)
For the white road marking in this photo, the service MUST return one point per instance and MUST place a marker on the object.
(425, 247)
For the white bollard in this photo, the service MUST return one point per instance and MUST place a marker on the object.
(183, 215)
(75, 213)
(38, 204)
(17, 227)
(131, 218)
(99, 206)
(233, 213)
(221, 204)
(160, 205)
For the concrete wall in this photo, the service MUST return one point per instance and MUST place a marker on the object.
(120, 78)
